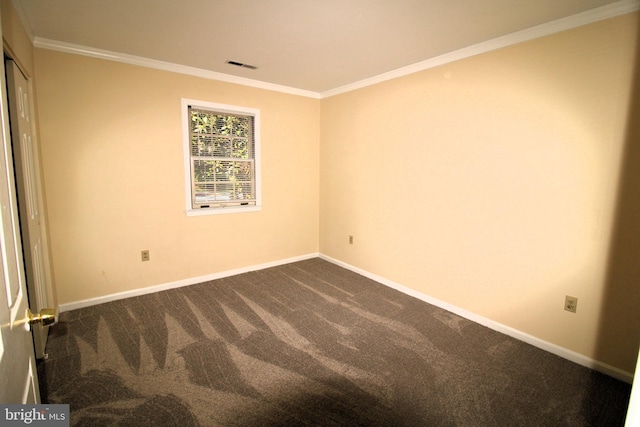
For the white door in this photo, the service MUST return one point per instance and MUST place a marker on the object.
(29, 210)
(18, 379)
(633, 411)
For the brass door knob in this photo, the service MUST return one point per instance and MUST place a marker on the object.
(47, 316)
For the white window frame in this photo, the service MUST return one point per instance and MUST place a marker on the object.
(232, 109)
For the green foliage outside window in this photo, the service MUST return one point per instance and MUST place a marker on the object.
(222, 156)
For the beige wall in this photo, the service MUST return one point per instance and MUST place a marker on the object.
(15, 38)
(113, 164)
(490, 183)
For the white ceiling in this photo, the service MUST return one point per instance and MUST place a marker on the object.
(311, 45)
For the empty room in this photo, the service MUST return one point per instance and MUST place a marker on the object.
(301, 212)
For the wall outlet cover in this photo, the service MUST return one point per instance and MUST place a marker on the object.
(570, 303)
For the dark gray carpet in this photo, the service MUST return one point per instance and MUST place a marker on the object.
(307, 344)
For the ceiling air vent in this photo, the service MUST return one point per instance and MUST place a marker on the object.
(240, 64)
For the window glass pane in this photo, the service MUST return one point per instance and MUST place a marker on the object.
(240, 148)
(244, 171)
(244, 191)
(203, 170)
(222, 147)
(201, 122)
(202, 145)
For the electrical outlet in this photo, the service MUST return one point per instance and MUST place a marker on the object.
(145, 255)
(351, 240)
(570, 303)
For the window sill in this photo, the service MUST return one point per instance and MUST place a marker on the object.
(220, 211)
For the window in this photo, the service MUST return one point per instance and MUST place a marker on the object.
(222, 162)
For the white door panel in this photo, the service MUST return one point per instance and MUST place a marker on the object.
(27, 192)
(18, 379)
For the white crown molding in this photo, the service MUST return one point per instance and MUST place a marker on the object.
(594, 15)
(43, 43)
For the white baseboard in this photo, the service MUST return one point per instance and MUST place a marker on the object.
(578, 358)
(178, 284)
(522, 336)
